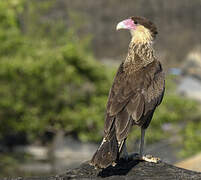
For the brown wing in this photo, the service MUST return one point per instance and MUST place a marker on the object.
(133, 98)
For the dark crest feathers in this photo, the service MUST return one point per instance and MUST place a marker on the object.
(146, 23)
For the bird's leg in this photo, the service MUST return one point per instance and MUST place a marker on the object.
(124, 153)
(148, 158)
(142, 141)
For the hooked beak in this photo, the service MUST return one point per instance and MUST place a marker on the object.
(126, 24)
(120, 25)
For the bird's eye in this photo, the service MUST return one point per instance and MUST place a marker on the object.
(135, 22)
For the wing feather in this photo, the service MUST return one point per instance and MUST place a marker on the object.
(135, 107)
(133, 98)
(122, 127)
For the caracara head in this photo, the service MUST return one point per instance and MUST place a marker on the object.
(142, 30)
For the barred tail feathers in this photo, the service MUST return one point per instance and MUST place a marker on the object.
(108, 152)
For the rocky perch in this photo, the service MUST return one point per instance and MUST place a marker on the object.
(139, 170)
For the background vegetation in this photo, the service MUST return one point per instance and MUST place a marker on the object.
(50, 81)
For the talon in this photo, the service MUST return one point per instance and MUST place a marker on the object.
(150, 158)
(114, 164)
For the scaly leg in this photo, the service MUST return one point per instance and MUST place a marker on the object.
(148, 158)
(142, 142)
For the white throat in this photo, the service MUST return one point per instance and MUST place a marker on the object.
(141, 35)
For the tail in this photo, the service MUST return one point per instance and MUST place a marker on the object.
(108, 152)
(116, 131)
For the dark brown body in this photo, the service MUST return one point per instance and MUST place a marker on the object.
(137, 90)
(134, 97)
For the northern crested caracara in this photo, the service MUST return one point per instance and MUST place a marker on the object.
(137, 90)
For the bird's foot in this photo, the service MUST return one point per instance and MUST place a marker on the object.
(128, 157)
(125, 156)
(148, 158)
(114, 164)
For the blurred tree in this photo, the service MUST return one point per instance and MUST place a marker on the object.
(50, 81)
(10, 34)
(49, 85)
(61, 88)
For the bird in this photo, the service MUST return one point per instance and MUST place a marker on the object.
(138, 88)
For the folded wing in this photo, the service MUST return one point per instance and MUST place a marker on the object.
(133, 99)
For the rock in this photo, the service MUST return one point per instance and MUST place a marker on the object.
(139, 170)
(192, 63)
(190, 87)
(190, 83)
(192, 163)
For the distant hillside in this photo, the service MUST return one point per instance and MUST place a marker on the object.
(178, 22)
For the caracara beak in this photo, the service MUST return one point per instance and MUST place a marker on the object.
(126, 24)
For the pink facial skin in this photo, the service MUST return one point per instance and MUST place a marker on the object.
(129, 24)
(126, 24)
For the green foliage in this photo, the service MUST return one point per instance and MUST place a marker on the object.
(10, 34)
(191, 138)
(59, 88)
(49, 85)
(10, 164)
